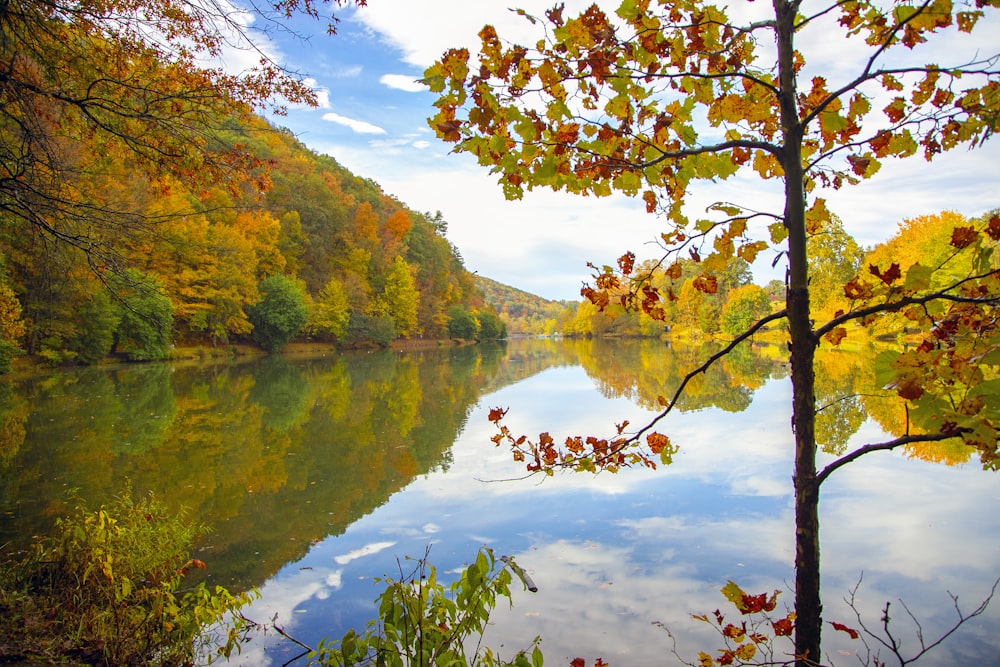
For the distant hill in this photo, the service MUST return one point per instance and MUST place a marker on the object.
(522, 312)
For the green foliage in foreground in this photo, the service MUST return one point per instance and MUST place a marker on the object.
(423, 622)
(105, 589)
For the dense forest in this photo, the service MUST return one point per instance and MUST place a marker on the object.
(306, 250)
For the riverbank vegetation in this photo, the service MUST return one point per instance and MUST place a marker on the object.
(109, 587)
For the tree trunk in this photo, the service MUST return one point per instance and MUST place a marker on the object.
(808, 607)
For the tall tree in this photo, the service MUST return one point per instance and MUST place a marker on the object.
(400, 298)
(668, 93)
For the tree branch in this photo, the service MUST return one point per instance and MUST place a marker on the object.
(882, 447)
(893, 306)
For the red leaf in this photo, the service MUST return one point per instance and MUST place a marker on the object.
(783, 627)
(844, 628)
(889, 276)
(993, 228)
(962, 237)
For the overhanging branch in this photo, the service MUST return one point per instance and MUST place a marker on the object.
(892, 306)
(882, 447)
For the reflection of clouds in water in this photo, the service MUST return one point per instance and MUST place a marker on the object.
(594, 602)
(945, 540)
(366, 550)
(611, 554)
(283, 599)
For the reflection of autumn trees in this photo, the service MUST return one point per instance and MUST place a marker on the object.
(840, 375)
(277, 453)
(273, 454)
(644, 371)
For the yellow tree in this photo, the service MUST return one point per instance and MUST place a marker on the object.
(400, 298)
(669, 92)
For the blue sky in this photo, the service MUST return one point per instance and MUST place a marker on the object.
(372, 119)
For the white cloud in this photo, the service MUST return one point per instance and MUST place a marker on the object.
(322, 92)
(348, 72)
(402, 82)
(359, 126)
(422, 31)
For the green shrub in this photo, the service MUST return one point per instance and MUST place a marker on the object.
(105, 589)
(423, 622)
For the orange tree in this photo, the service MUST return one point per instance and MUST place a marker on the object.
(665, 93)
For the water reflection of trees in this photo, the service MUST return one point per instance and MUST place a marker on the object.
(277, 453)
(273, 455)
(645, 371)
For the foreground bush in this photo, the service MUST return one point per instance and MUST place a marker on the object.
(423, 622)
(104, 589)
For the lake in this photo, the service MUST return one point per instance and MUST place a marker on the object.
(318, 474)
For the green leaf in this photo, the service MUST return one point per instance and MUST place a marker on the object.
(918, 277)
(732, 592)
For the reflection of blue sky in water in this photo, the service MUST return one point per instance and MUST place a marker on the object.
(613, 553)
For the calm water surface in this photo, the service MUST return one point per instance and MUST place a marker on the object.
(319, 474)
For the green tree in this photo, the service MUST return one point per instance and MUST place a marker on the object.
(145, 318)
(281, 312)
(461, 323)
(668, 94)
(94, 331)
(377, 329)
(490, 326)
(744, 306)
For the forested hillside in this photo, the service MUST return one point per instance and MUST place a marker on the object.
(524, 313)
(302, 249)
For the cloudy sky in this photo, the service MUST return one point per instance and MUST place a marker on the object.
(372, 119)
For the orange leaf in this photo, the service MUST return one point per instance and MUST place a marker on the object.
(657, 442)
(708, 284)
(650, 198)
(626, 262)
(834, 337)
